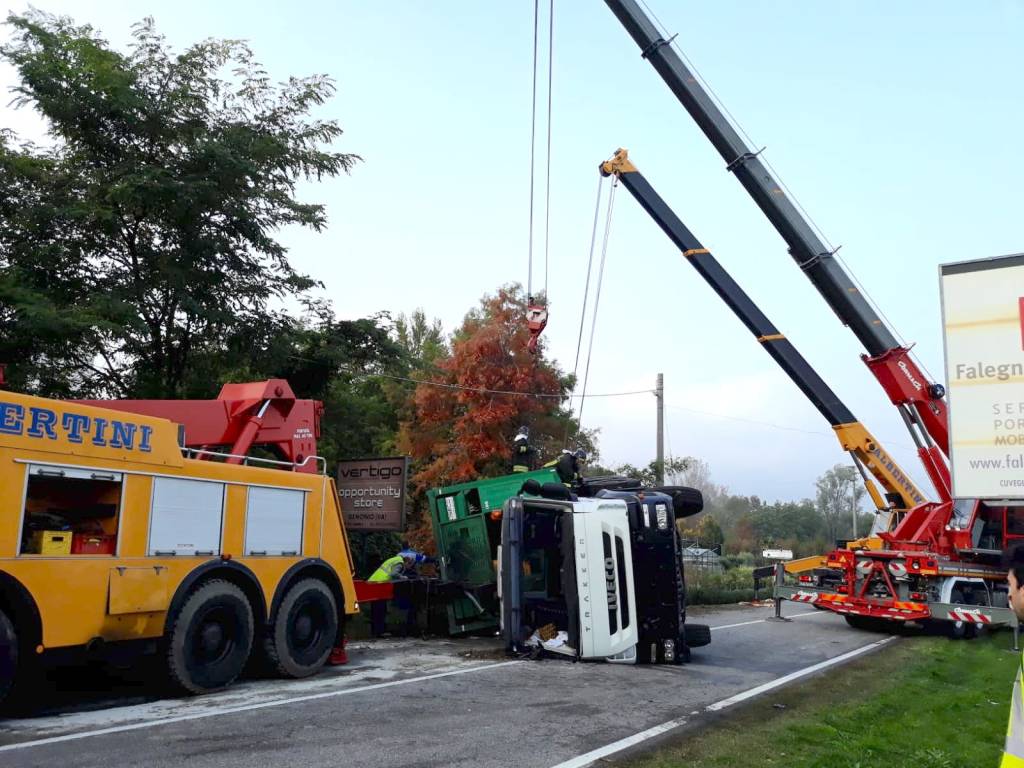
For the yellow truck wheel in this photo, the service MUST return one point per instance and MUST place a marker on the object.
(8, 655)
(210, 639)
(304, 630)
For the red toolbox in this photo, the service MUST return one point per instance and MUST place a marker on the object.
(93, 544)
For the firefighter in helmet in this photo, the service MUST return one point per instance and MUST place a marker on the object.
(569, 466)
(524, 455)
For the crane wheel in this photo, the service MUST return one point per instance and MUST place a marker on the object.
(210, 640)
(8, 655)
(304, 630)
(960, 630)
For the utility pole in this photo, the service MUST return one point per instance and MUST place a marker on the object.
(853, 504)
(659, 395)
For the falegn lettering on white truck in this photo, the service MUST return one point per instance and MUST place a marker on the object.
(980, 370)
(43, 424)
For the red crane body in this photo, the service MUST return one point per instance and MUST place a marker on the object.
(263, 413)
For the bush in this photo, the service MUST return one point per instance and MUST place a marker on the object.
(705, 587)
(701, 595)
(738, 560)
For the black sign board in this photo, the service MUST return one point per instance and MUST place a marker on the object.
(372, 493)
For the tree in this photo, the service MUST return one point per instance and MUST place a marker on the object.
(708, 533)
(463, 416)
(696, 473)
(144, 239)
(839, 494)
(423, 341)
(648, 476)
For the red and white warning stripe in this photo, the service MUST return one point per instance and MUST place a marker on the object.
(804, 597)
(975, 617)
(897, 569)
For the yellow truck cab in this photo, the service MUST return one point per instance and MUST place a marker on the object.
(113, 533)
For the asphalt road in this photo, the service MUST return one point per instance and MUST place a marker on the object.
(438, 703)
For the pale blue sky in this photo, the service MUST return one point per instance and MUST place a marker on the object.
(896, 125)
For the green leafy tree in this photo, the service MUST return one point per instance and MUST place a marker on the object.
(840, 491)
(648, 475)
(144, 238)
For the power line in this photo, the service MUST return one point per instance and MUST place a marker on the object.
(480, 390)
(889, 443)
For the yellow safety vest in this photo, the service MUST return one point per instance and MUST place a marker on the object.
(1013, 751)
(388, 569)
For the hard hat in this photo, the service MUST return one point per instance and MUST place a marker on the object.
(580, 454)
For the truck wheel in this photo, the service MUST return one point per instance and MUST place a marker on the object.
(304, 630)
(959, 630)
(8, 655)
(697, 634)
(210, 640)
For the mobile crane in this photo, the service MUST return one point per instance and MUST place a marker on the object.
(900, 492)
(875, 585)
(947, 553)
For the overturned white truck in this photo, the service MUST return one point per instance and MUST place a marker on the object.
(604, 570)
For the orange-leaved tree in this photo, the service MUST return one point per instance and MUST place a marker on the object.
(464, 415)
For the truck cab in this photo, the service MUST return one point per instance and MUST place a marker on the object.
(605, 571)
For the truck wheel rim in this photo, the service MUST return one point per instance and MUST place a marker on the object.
(215, 637)
(307, 626)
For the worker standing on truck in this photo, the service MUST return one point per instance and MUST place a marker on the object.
(1013, 751)
(524, 455)
(569, 466)
(402, 567)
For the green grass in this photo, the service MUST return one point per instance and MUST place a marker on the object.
(925, 702)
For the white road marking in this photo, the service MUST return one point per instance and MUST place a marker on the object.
(218, 711)
(780, 681)
(236, 708)
(760, 621)
(591, 757)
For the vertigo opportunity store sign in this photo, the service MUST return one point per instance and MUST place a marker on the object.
(983, 319)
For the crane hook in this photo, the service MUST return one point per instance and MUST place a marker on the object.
(536, 320)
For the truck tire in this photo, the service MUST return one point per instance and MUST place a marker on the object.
(304, 630)
(959, 630)
(8, 655)
(210, 640)
(686, 501)
(697, 634)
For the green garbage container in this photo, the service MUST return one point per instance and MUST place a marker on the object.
(467, 543)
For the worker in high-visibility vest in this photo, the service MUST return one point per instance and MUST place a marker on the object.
(524, 455)
(1013, 750)
(402, 566)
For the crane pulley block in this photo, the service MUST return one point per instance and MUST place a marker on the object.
(536, 321)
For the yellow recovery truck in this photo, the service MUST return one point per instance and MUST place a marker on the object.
(115, 533)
